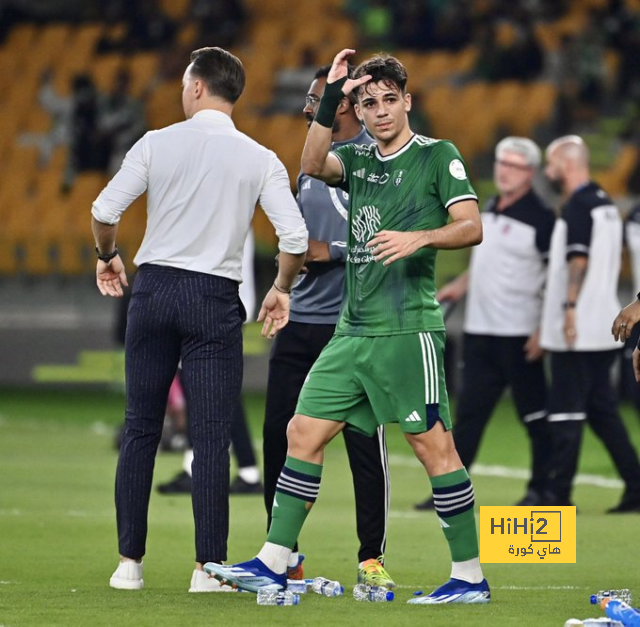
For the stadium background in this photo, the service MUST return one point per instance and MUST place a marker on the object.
(479, 69)
(61, 364)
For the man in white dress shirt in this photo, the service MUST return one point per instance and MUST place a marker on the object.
(203, 179)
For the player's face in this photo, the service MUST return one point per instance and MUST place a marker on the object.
(188, 93)
(313, 99)
(383, 108)
(554, 170)
(511, 173)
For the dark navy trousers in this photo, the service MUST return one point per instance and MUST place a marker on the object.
(178, 315)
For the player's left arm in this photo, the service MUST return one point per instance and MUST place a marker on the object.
(464, 229)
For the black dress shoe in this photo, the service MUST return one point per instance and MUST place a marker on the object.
(240, 486)
(425, 506)
(626, 506)
(531, 499)
(180, 484)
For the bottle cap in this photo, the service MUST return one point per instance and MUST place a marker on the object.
(594, 599)
(390, 596)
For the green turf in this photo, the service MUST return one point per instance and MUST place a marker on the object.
(58, 543)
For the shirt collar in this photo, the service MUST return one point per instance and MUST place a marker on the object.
(212, 115)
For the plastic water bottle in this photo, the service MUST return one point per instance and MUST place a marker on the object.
(624, 594)
(277, 597)
(603, 621)
(327, 587)
(618, 610)
(364, 592)
(299, 586)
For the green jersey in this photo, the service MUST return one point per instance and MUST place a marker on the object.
(409, 190)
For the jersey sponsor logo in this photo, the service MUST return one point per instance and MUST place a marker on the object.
(364, 226)
(366, 223)
(376, 178)
(360, 173)
(397, 177)
(413, 417)
(456, 169)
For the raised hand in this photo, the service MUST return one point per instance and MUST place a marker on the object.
(340, 69)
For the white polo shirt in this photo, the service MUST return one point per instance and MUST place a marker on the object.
(590, 225)
(508, 270)
(203, 179)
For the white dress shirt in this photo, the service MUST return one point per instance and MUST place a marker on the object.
(203, 179)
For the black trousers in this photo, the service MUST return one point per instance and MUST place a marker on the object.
(294, 351)
(492, 364)
(241, 444)
(196, 318)
(581, 391)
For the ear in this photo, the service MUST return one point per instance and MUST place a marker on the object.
(343, 107)
(198, 88)
(356, 108)
(407, 102)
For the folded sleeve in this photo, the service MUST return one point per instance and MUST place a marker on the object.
(280, 207)
(129, 182)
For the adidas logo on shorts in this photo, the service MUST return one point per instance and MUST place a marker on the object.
(413, 417)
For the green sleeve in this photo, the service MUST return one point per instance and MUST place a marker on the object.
(345, 155)
(451, 179)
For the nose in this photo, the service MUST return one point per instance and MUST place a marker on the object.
(381, 111)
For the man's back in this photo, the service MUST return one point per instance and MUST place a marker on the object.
(204, 180)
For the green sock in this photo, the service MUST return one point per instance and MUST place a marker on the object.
(454, 501)
(296, 492)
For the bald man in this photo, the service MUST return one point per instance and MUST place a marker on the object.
(580, 302)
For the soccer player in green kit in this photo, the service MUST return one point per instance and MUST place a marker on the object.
(409, 196)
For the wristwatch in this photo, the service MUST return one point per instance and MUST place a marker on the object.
(107, 257)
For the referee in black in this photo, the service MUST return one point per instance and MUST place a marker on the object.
(203, 179)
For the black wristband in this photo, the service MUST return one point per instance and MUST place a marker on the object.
(282, 290)
(108, 256)
(570, 304)
(329, 103)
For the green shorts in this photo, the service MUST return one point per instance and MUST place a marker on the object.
(370, 381)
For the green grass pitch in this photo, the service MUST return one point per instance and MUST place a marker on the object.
(58, 541)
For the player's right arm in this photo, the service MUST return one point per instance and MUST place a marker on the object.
(317, 160)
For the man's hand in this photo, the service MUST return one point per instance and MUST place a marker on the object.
(340, 69)
(570, 327)
(394, 245)
(110, 277)
(625, 321)
(274, 312)
(454, 290)
(532, 349)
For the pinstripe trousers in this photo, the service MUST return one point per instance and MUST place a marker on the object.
(178, 315)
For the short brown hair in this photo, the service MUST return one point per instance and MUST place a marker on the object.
(383, 68)
(221, 71)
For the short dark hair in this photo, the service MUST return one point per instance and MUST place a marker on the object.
(383, 68)
(221, 71)
(322, 72)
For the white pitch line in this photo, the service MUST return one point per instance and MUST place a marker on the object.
(508, 472)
